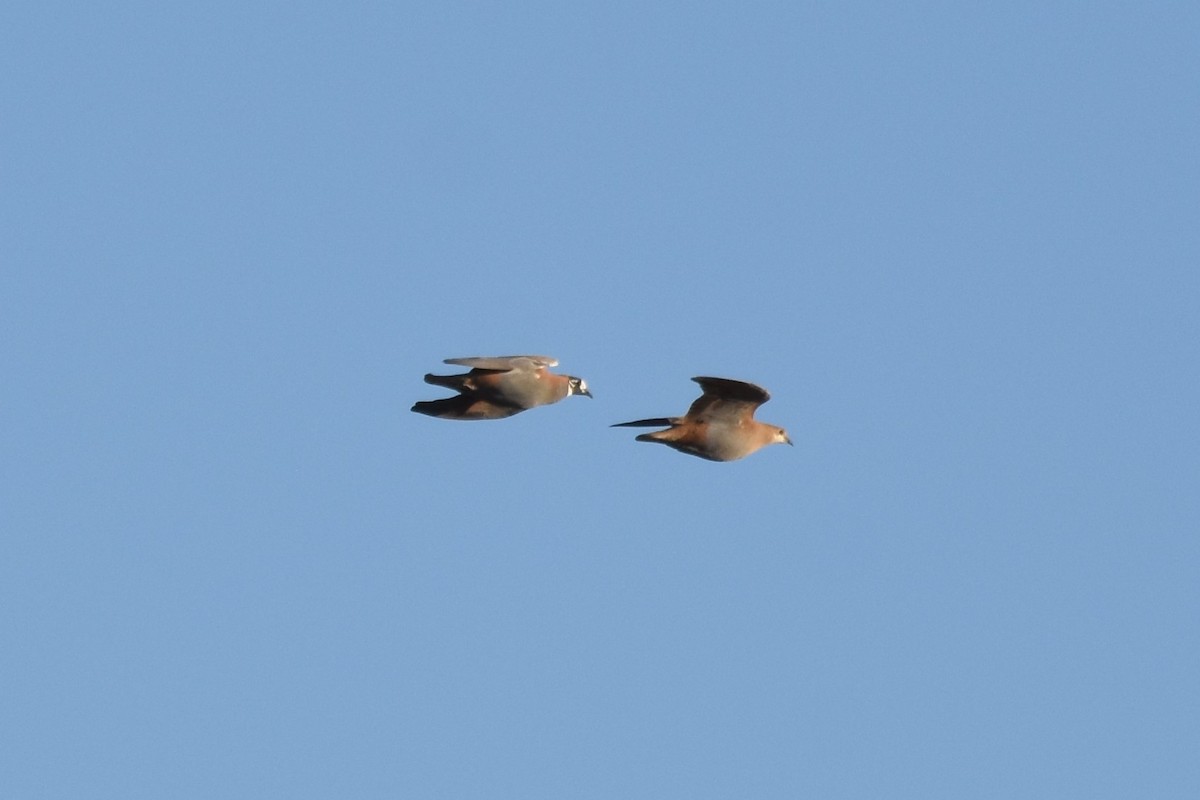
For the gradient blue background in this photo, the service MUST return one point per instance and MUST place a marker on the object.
(958, 243)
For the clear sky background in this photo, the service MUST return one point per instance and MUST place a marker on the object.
(957, 242)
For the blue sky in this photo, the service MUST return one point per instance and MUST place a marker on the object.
(957, 243)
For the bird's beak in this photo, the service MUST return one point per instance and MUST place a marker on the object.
(587, 393)
(788, 439)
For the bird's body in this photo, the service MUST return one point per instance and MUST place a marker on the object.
(499, 387)
(720, 424)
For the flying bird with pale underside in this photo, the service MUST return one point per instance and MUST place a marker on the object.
(720, 424)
